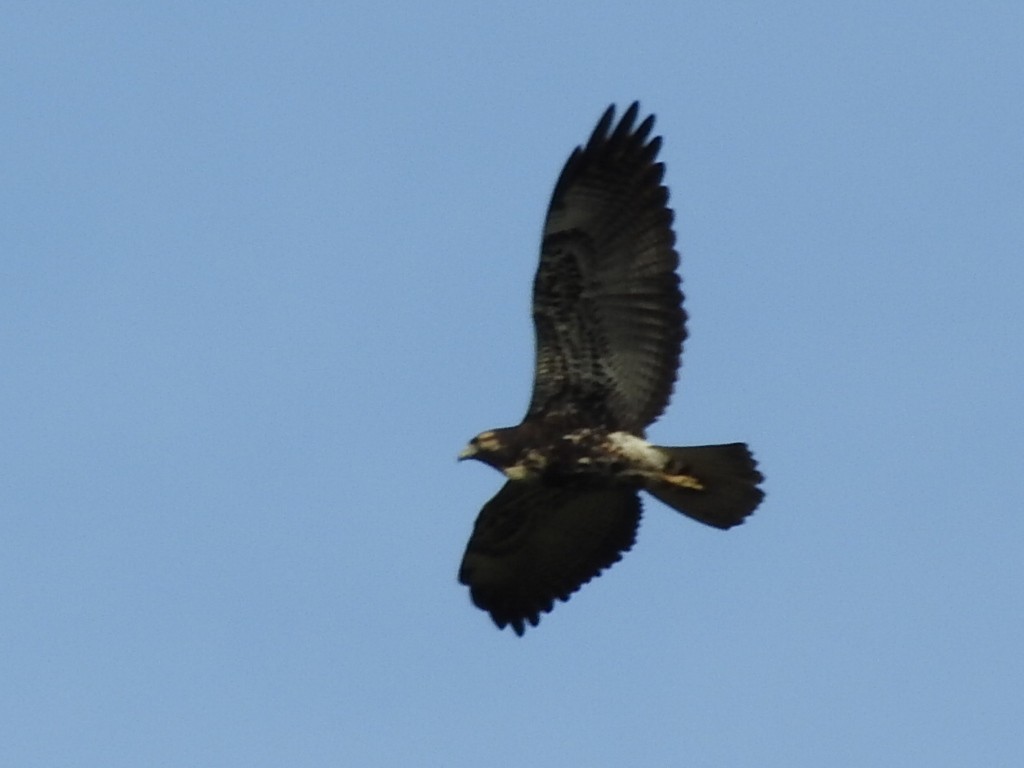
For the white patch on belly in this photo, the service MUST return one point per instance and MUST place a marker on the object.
(640, 454)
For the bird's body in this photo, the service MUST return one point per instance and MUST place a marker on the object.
(609, 324)
(573, 456)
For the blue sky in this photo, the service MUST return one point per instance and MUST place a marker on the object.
(265, 268)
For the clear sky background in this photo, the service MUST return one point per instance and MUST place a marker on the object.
(265, 268)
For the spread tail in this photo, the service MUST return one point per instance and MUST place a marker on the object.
(714, 484)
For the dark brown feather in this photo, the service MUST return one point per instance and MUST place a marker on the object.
(607, 305)
(728, 477)
(533, 544)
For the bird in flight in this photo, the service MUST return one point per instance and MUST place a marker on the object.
(609, 324)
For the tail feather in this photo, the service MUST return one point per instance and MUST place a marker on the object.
(714, 484)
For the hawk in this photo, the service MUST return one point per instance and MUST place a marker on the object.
(609, 323)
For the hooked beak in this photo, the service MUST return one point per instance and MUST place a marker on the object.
(468, 452)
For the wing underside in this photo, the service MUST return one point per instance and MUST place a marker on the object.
(607, 305)
(533, 544)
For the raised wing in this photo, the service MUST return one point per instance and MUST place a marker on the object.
(606, 301)
(533, 544)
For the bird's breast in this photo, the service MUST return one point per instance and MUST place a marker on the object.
(587, 452)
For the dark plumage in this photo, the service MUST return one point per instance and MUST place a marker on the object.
(609, 324)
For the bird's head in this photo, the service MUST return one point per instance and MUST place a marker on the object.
(490, 448)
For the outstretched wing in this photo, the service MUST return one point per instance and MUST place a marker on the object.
(606, 301)
(533, 544)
